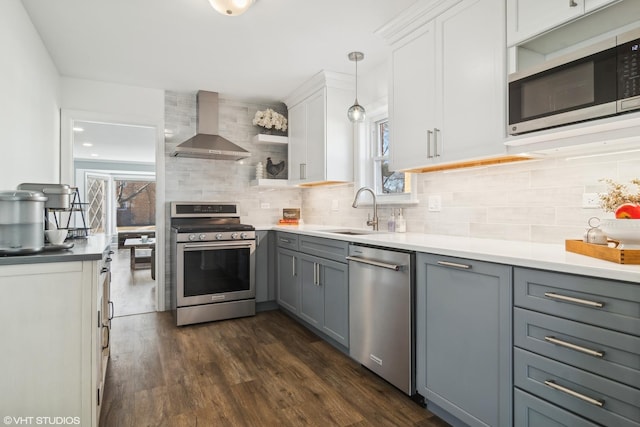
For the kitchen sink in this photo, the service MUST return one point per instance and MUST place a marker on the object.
(353, 232)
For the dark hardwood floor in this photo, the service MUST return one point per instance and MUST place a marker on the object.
(265, 370)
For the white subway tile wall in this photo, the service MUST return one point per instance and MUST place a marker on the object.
(538, 201)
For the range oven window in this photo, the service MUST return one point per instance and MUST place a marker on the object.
(214, 271)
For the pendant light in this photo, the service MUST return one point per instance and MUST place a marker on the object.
(356, 112)
(231, 7)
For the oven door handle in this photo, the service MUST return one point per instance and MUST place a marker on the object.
(219, 245)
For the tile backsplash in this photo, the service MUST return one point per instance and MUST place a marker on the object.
(539, 200)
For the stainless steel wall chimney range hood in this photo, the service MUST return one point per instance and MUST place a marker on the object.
(206, 143)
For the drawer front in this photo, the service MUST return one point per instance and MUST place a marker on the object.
(336, 250)
(595, 398)
(607, 303)
(607, 353)
(287, 240)
(529, 411)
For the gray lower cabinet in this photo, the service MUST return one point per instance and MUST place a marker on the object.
(265, 267)
(576, 350)
(287, 280)
(463, 326)
(324, 296)
(313, 282)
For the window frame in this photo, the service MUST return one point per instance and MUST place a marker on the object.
(367, 154)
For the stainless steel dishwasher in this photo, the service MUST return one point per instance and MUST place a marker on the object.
(381, 313)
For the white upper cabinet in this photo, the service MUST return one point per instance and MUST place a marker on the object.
(320, 134)
(448, 82)
(412, 111)
(529, 18)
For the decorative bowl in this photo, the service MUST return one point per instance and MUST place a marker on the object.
(625, 231)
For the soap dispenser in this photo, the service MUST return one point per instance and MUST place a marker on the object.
(391, 224)
(401, 223)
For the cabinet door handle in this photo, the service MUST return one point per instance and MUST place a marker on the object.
(112, 310)
(429, 155)
(568, 345)
(108, 338)
(315, 274)
(454, 264)
(436, 131)
(303, 171)
(553, 385)
(293, 265)
(580, 301)
(572, 3)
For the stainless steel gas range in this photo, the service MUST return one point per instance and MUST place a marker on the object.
(212, 263)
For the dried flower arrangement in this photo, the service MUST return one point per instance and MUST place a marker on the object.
(619, 195)
(270, 119)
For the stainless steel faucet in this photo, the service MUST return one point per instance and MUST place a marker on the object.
(372, 222)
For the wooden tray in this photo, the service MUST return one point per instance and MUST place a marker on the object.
(621, 256)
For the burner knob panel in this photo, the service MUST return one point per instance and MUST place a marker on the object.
(234, 235)
(219, 236)
(192, 237)
(243, 235)
(202, 236)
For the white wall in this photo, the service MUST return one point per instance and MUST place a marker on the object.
(29, 102)
(137, 103)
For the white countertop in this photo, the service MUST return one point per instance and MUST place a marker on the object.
(525, 254)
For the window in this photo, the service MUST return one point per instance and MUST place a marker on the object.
(386, 181)
(375, 142)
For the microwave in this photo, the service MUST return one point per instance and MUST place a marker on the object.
(594, 82)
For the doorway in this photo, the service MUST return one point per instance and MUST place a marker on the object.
(114, 169)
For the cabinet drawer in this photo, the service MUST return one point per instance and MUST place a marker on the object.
(336, 250)
(607, 303)
(611, 354)
(529, 411)
(287, 240)
(596, 398)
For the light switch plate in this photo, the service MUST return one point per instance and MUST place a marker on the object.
(435, 203)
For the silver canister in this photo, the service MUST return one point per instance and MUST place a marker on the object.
(21, 222)
(58, 195)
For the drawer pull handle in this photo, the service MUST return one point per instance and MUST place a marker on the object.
(565, 344)
(553, 385)
(453, 264)
(574, 300)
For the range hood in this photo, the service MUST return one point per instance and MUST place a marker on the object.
(206, 143)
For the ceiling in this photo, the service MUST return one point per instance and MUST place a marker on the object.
(184, 45)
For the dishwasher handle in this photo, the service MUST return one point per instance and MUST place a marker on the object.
(374, 262)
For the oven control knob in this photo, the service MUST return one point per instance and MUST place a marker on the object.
(192, 237)
(243, 235)
(202, 236)
(234, 235)
(219, 236)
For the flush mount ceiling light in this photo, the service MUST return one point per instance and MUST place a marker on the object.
(231, 7)
(356, 112)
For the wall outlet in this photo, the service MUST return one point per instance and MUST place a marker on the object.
(435, 203)
(590, 201)
(265, 205)
(335, 206)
